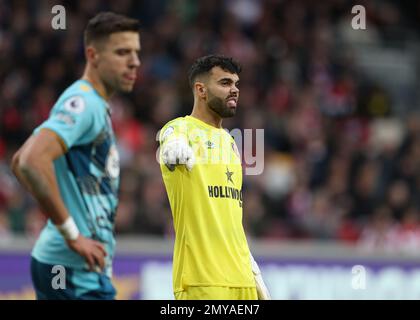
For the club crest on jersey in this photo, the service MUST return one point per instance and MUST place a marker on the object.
(113, 163)
(75, 104)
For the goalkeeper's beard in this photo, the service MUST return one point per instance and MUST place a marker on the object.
(219, 106)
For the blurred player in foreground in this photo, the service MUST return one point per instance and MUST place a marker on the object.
(70, 165)
(202, 172)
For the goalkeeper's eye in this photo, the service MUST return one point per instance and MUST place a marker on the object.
(225, 82)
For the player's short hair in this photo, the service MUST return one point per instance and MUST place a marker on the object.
(204, 64)
(105, 23)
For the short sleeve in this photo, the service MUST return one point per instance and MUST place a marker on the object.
(76, 120)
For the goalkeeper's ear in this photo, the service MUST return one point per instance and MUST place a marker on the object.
(200, 89)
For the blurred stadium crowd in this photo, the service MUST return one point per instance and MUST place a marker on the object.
(342, 150)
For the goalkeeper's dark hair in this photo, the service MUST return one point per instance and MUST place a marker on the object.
(204, 64)
(105, 23)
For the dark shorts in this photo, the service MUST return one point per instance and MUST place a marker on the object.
(49, 283)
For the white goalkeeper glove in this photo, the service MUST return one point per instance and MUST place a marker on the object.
(262, 290)
(177, 152)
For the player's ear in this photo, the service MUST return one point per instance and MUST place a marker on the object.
(200, 89)
(92, 55)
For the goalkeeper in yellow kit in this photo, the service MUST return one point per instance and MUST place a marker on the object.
(202, 172)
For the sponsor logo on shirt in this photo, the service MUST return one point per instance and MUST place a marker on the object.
(225, 192)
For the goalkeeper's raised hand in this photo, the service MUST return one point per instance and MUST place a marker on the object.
(178, 152)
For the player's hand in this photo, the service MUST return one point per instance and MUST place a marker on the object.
(93, 251)
(178, 152)
(262, 291)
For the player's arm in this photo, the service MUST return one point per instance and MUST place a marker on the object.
(262, 291)
(34, 168)
(175, 148)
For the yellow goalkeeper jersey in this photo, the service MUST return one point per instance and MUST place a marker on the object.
(210, 244)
